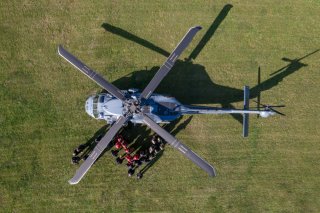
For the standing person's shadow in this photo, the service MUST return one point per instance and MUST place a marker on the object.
(92, 142)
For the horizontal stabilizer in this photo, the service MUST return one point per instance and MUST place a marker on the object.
(245, 123)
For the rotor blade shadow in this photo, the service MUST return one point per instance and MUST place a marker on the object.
(207, 36)
(127, 35)
(191, 84)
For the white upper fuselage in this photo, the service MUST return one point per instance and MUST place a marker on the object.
(162, 109)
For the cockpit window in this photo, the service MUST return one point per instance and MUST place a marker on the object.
(95, 107)
(101, 100)
(95, 99)
(95, 113)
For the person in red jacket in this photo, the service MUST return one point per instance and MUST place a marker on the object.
(129, 159)
(119, 144)
(136, 159)
(130, 164)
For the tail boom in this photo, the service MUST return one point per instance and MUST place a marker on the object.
(191, 110)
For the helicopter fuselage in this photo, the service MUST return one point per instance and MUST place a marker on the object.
(161, 108)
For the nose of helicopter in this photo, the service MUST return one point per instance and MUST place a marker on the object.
(89, 106)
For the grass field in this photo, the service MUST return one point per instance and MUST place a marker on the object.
(42, 117)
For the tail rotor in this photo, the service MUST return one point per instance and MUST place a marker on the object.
(271, 107)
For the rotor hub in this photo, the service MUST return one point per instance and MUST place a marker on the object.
(131, 106)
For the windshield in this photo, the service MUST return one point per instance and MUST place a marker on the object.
(95, 107)
(101, 100)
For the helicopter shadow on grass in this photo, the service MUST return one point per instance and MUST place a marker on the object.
(190, 82)
(184, 75)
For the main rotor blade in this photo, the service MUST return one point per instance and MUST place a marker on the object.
(104, 142)
(90, 73)
(179, 146)
(168, 64)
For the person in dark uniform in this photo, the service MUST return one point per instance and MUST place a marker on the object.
(151, 153)
(79, 149)
(157, 146)
(143, 156)
(130, 172)
(154, 139)
(119, 160)
(75, 160)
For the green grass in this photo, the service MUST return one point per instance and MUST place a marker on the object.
(42, 97)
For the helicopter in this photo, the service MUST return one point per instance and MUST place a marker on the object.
(119, 107)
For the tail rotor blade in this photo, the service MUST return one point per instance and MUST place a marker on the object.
(280, 113)
(270, 107)
(276, 106)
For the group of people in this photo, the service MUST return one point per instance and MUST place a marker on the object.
(134, 158)
(82, 151)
